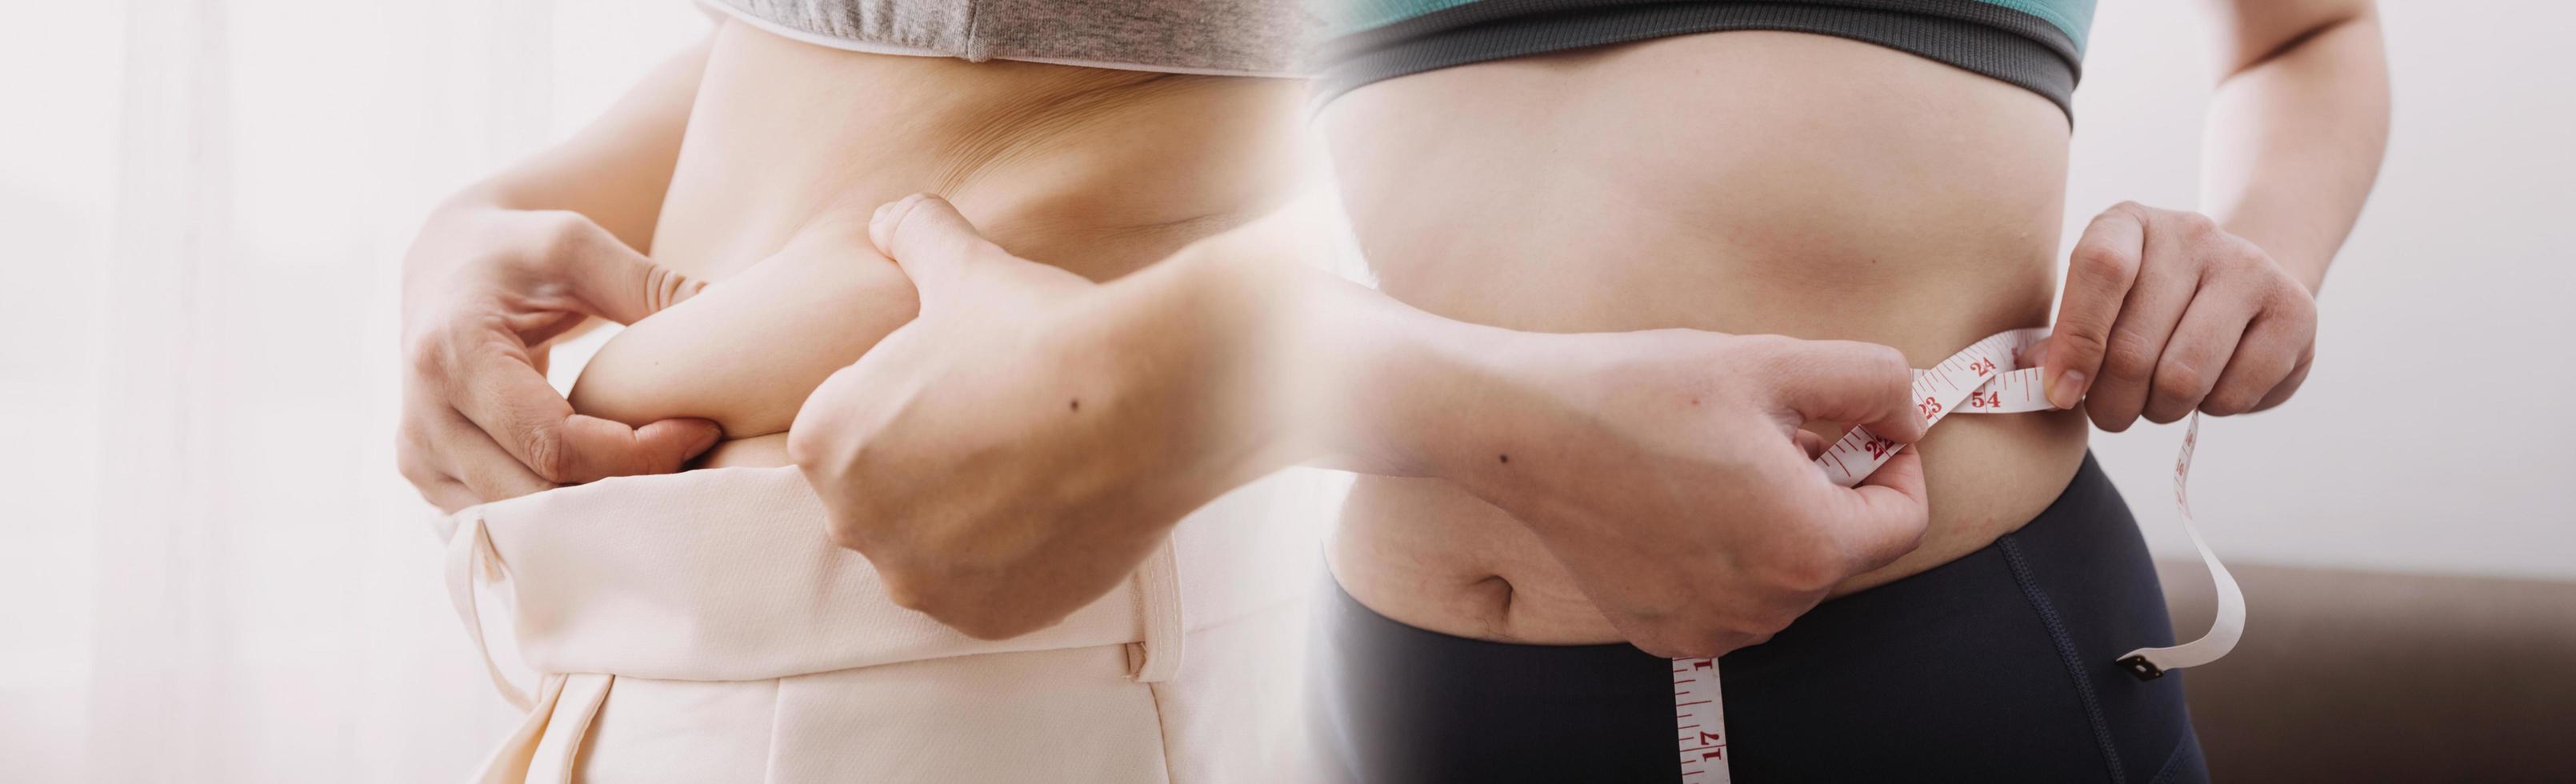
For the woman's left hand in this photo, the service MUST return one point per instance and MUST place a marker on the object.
(2165, 313)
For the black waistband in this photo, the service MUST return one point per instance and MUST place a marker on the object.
(1999, 666)
(1997, 42)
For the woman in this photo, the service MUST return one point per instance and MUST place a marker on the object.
(1889, 171)
(701, 626)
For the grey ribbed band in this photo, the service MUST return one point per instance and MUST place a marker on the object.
(1254, 37)
(1997, 42)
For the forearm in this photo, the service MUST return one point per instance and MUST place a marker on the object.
(1327, 372)
(2294, 140)
(1205, 337)
(1403, 390)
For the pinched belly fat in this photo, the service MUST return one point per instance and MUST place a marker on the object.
(791, 146)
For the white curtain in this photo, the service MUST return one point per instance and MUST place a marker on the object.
(209, 570)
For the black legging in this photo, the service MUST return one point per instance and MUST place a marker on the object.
(1997, 667)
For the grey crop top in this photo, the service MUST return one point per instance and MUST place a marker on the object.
(1221, 37)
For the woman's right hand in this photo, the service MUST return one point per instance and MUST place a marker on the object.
(484, 290)
(1017, 449)
(1667, 470)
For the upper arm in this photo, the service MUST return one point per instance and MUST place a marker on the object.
(615, 170)
(2249, 32)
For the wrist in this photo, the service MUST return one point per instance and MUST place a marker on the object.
(455, 233)
(2301, 261)
(1199, 334)
(1484, 417)
(2308, 272)
(1412, 393)
(2312, 276)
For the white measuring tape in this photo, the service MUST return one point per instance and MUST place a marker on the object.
(1985, 378)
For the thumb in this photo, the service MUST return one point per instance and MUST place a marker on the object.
(1844, 381)
(1884, 518)
(2099, 273)
(620, 284)
(934, 245)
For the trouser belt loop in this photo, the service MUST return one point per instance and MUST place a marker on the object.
(471, 562)
(1158, 584)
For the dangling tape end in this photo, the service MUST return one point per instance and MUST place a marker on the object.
(2139, 666)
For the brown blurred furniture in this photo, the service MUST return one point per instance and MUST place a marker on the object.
(2361, 676)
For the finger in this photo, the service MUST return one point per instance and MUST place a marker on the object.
(602, 448)
(1845, 381)
(2098, 276)
(2203, 343)
(417, 458)
(2281, 393)
(2034, 356)
(445, 456)
(508, 400)
(824, 423)
(1812, 443)
(447, 494)
(2272, 351)
(2167, 280)
(486, 471)
(1885, 516)
(540, 329)
(934, 245)
(614, 282)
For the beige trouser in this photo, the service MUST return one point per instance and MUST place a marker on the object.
(699, 627)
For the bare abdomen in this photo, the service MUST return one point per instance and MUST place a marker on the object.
(791, 146)
(1742, 182)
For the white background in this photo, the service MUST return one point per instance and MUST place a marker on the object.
(209, 570)
(2435, 432)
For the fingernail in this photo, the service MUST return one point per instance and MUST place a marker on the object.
(2067, 390)
(707, 441)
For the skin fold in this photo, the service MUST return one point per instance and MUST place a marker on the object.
(790, 147)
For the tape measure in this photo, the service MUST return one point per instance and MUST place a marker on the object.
(1988, 377)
